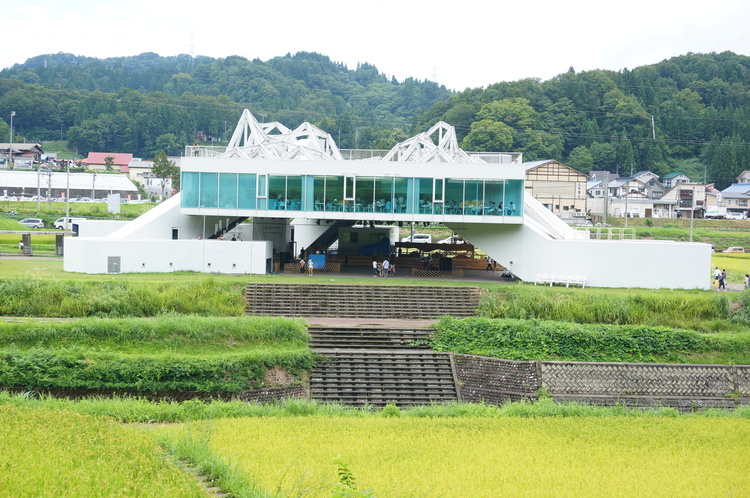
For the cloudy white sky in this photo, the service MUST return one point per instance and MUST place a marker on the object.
(472, 43)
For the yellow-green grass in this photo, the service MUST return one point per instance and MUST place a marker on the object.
(401, 457)
(41, 244)
(736, 265)
(60, 453)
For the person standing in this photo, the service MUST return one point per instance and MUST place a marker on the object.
(717, 274)
(374, 267)
(20, 247)
(302, 267)
(386, 267)
(722, 280)
(310, 267)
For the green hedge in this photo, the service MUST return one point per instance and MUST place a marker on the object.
(548, 340)
(35, 369)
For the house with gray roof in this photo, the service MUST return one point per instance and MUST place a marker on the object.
(736, 198)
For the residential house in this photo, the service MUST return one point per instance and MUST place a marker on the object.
(98, 161)
(638, 195)
(24, 154)
(744, 177)
(736, 198)
(560, 188)
(673, 179)
(688, 199)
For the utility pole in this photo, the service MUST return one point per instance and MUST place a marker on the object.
(67, 197)
(10, 149)
(653, 128)
(606, 198)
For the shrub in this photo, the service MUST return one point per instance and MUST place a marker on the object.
(548, 340)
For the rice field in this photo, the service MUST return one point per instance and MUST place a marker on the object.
(474, 456)
(53, 453)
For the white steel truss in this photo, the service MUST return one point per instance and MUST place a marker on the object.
(422, 149)
(254, 140)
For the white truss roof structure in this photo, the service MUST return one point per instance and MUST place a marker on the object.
(422, 149)
(254, 140)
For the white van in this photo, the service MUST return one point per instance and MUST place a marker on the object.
(60, 223)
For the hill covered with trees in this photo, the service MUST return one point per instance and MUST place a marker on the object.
(689, 113)
(148, 103)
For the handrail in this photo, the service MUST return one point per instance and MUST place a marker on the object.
(557, 228)
(610, 233)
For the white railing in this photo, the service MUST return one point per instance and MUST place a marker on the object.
(611, 233)
(203, 150)
(556, 227)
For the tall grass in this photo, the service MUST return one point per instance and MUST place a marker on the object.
(167, 353)
(194, 334)
(228, 373)
(684, 309)
(41, 297)
(52, 453)
(139, 410)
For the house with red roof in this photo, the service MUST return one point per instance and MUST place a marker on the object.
(97, 161)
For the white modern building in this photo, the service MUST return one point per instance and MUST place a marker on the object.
(282, 178)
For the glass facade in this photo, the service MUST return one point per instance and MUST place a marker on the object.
(355, 194)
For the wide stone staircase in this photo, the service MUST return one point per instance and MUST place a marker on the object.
(377, 366)
(360, 301)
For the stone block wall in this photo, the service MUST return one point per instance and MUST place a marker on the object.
(681, 386)
(493, 380)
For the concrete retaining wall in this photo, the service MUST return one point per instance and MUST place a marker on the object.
(685, 387)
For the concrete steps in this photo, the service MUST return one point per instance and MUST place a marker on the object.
(377, 366)
(368, 338)
(379, 377)
(361, 301)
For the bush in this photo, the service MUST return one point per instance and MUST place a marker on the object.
(547, 340)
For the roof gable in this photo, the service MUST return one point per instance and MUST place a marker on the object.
(119, 159)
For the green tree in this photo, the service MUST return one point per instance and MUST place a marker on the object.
(165, 170)
(488, 136)
(604, 156)
(4, 131)
(169, 144)
(515, 112)
(581, 159)
(109, 163)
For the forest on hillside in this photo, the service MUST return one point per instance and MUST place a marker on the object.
(689, 113)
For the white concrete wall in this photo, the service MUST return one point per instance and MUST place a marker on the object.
(98, 228)
(90, 255)
(629, 263)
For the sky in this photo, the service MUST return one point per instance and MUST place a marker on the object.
(468, 44)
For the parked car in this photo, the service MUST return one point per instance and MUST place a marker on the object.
(453, 239)
(60, 223)
(419, 237)
(32, 222)
(735, 216)
(734, 249)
